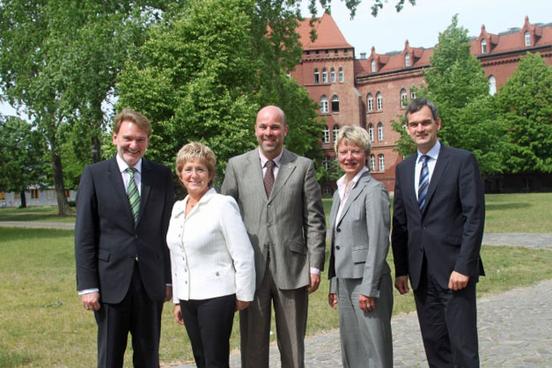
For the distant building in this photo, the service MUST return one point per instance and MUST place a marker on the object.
(34, 197)
(373, 90)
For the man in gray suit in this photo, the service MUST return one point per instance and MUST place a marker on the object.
(281, 206)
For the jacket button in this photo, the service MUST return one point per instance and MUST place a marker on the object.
(338, 230)
(337, 247)
(217, 273)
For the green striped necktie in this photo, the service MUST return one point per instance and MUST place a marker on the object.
(133, 194)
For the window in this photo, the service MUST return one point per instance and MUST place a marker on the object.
(332, 75)
(335, 103)
(412, 94)
(372, 163)
(381, 163)
(341, 75)
(379, 101)
(326, 135)
(527, 39)
(492, 85)
(316, 76)
(483, 46)
(326, 162)
(34, 193)
(407, 61)
(2, 196)
(335, 132)
(404, 98)
(371, 132)
(370, 102)
(324, 75)
(324, 105)
(374, 66)
(380, 132)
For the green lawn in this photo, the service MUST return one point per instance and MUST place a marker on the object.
(45, 213)
(44, 325)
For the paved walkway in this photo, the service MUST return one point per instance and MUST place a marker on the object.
(39, 225)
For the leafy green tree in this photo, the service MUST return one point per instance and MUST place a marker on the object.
(525, 104)
(22, 157)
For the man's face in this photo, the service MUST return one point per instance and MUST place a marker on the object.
(270, 131)
(131, 142)
(423, 129)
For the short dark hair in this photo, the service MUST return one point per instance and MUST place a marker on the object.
(417, 104)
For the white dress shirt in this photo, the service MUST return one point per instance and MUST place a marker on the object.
(344, 189)
(433, 154)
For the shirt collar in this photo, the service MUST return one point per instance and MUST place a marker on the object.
(341, 181)
(123, 165)
(181, 205)
(276, 159)
(432, 153)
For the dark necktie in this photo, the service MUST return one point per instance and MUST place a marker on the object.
(423, 183)
(268, 179)
(133, 194)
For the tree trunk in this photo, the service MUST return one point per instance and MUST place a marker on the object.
(23, 198)
(96, 148)
(57, 168)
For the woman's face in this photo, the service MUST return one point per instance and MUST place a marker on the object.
(351, 158)
(195, 177)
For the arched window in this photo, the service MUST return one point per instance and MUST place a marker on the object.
(374, 66)
(341, 75)
(407, 61)
(380, 132)
(527, 39)
(332, 75)
(335, 132)
(379, 101)
(316, 76)
(370, 102)
(324, 105)
(483, 46)
(326, 162)
(404, 98)
(412, 93)
(326, 135)
(372, 163)
(371, 132)
(324, 75)
(492, 85)
(381, 163)
(335, 103)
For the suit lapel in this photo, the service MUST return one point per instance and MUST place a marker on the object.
(355, 192)
(440, 168)
(118, 185)
(146, 186)
(254, 173)
(408, 186)
(287, 166)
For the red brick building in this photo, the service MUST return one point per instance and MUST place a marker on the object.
(372, 90)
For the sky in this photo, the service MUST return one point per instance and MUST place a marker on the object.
(421, 24)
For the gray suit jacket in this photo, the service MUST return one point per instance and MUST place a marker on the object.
(360, 237)
(289, 225)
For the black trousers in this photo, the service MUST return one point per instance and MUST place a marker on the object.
(136, 314)
(448, 321)
(209, 325)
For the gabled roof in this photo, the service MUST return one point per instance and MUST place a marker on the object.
(328, 34)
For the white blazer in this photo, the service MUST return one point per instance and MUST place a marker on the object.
(211, 255)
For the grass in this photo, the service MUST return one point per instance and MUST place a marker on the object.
(44, 325)
(44, 213)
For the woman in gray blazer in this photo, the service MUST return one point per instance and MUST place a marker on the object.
(213, 271)
(360, 281)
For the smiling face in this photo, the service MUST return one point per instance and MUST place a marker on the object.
(195, 177)
(131, 142)
(351, 158)
(423, 128)
(270, 130)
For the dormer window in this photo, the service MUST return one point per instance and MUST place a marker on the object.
(374, 66)
(527, 39)
(483, 46)
(407, 61)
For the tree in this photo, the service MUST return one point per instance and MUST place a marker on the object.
(22, 157)
(525, 104)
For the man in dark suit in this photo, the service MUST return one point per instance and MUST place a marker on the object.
(436, 238)
(123, 268)
(281, 206)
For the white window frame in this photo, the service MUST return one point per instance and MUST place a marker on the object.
(326, 135)
(324, 106)
(407, 60)
(380, 132)
(372, 163)
(370, 102)
(379, 101)
(403, 98)
(492, 85)
(335, 103)
(527, 39)
(316, 76)
(332, 75)
(335, 132)
(341, 75)
(371, 132)
(374, 66)
(381, 162)
(324, 75)
(483, 46)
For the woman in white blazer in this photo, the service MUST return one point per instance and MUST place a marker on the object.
(213, 272)
(360, 280)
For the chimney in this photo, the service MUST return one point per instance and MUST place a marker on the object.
(362, 56)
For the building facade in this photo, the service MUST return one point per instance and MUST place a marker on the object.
(373, 90)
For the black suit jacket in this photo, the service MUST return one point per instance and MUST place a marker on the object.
(449, 230)
(106, 240)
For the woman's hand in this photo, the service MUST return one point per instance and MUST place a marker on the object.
(332, 300)
(177, 313)
(366, 303)
(241, 305)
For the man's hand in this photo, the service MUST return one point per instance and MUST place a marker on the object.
(401, 284)
(332, 300)
(177, 313)
(241, 305)
(314, 282)
(458, 281)
(168, 293)
(366, 303)
(91, 301)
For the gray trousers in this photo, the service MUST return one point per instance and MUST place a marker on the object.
(366, 339)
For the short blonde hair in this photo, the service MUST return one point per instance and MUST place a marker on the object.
(355, 135)
(196, 151)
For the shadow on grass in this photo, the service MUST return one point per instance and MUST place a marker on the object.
(47, 213)
(11, 234)
(11, 359)
(506, 206)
